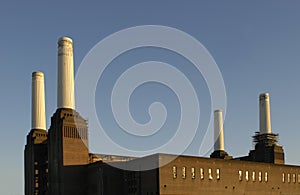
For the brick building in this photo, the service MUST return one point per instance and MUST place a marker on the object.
(58, 162)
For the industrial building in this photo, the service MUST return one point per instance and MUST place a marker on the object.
(58, 162)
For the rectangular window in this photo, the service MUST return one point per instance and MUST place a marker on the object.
(193, 172)
(183, 172)
(283, 178)
(247, 176)
(253, 176)
(218, 174)
(298, 178)
(288, 178)
(174, 172)
(210, 177)
(201, 173)
(294, 178)
(36, 171)
(266, 176)
(259, 176)
(240, 175)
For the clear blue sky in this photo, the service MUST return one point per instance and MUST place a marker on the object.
(256, 45)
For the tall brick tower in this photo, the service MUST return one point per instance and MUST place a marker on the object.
(68, 133)
(35, 153)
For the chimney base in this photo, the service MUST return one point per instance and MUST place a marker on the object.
(220, 154)
(266, 149)
(268, 154)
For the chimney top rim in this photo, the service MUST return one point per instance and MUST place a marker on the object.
(37, 73)
(65, 38)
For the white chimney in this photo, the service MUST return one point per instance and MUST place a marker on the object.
(218, 131)
(38, 114)
(264, 114)
(65, 93)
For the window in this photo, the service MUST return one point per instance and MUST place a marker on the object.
(266, 176)
(253, 176)
(183, 172)
(240, 175)
(283, 178)
(294, 178)
(288, 178)
(193, 172)
(201, 173)
(259, 176)
(247, 176)
(218, 174)
(298, 178)
(210, 177)
(36, 171)
(174, 172)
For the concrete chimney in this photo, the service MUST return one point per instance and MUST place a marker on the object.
(65, 93)
(218, 131)
(38, 114)
(264, 114)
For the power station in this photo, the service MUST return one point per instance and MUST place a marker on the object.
(58, 162)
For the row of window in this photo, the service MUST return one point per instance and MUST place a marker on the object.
(193, 173)
(290, 178)
(246, 175)
(252, 176)
(66, 114)
(40, 135)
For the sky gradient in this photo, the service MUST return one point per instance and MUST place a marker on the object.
(256, 45)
